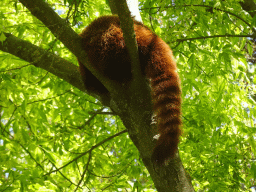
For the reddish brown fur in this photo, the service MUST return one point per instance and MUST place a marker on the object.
(103, 41)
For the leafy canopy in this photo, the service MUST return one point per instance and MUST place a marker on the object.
(47, 124)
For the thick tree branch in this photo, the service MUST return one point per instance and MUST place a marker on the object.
(169, 178)
(61, 30)
(58, 26)
(129, 37)
(41, 58)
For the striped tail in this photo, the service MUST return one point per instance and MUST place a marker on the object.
(166, 95)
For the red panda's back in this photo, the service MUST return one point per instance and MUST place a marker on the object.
(104, 43)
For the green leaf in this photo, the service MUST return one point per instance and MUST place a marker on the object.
(250, 49)
(2, 37)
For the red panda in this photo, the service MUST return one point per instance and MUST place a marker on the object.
(104, 43)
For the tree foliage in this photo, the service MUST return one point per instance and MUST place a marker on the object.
(53, 137)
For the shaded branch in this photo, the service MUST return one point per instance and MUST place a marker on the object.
(93, 147)
(247, 8)
(225, 11)
(64, 175)
(68, 91)
(85, 170)
(115, 175)
(127, 26)
(16, 68)
(213, 36)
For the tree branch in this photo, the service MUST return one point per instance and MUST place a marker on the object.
(247, 8)
(62, 31)
(127, 26)
(42, 59)
(93, 147)
(235, 15)
(213, 36)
